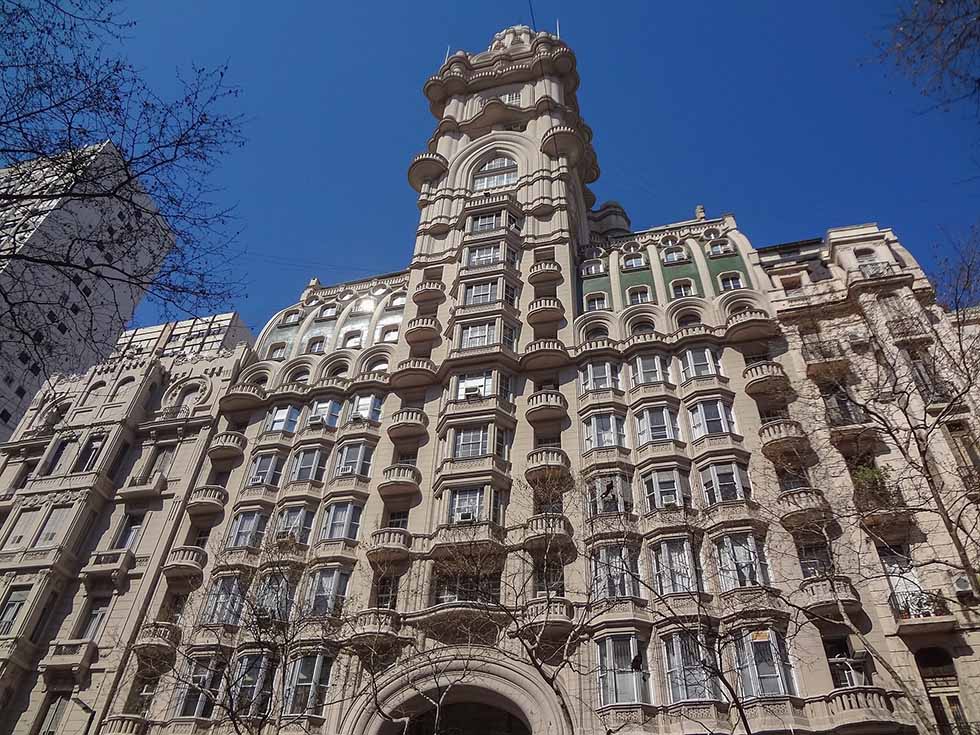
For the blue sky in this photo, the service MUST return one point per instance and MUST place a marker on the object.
(777, 112)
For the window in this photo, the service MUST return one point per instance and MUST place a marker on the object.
(724, 482)
(510, 337)
(274, 598)
(163, 457)
(690, 664)
(638, 295)
(248, 529)
(742, 561)
(89, 456)
(253, 684)
(277, 352)
(615, 571)
(54, 527)
(307, 680)
(480, 293)
(266, 470)
(389, 334)
(666, 488)
(467, 588)
(474, 385)
(720, 247)
(54, 714)
(845, 670)
(366, 407)
(697, 362)
(328, 410)
(511, 98)
(593, 267)
(815, 559)
(595, 302)
(599, 376)
(645, 369)
(308, 465)
(327, 311)
(483, 255)
(354, 459)
(675, 255)
(397, 301)
(300, 376)
(623, 674)
(205, 675)
(471, 441)
(315, 345)
(294, 524)
(605, 430)
(676, 567)
(397, 519)
(632, 260)
(224, 603)
(58, 460)
(283, 418)
(466, 505)
(499, 171)
(488, 221)
(386, 592)
(23, 531)
(711, 417)
(642, 326)
(549, 577)
(352, 340)
(763, 664)
(731, 281)
(656, 425)
(377, 366)
(477, 335)
(12, 606)
(129, 534)
(596, 333)
(291, 317)
(682, 289)
(327, 591)
(341, 520)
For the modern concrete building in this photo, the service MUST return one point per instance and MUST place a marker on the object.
(559, 476)
(63, 305)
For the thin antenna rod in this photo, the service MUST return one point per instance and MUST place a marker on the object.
(558, 27)
(447, 54)
(534, 23)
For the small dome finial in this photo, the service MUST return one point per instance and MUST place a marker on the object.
(513, 36)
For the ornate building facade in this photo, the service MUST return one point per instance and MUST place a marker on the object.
(558, 476)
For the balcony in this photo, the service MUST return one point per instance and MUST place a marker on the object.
(548, 615)
(400, 479)
(921, 611)
(408, 423)
(486, 467)
(337, 385)
(546, 406)
(596, 348)
(909, 331)
(882, 508)
(73, 657)
(422, 330)
(157, 640)
(847, 423)
(544, 354)
(616, 525)
(825, 596)
(294, 390)
(227, 446)
(266, 495)
(825, 359)
(546, 464)
(374, 628)
(970, 477)
(669, 521)
(547, 531)
(110, 566)
(455, 540)
(389, 545)
(866, 709)
(877, 274)
(545, 311)
(146, 486)
(370, 380)
(243, 397)
(607, 458)
(425, 167)
(343, 550)
(737, 513)
(206, 500)
(544, 272)
(185, 564)
(429, 292)
(802, 507)
(765, 378)
(782, 436)
(752, 601)
(413, 372)
(124, 725)
(467, 617)
(750, 324)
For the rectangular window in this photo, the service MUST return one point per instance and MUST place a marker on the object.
(98, 609)
(483, 255)
(475, 385)
(466, 505)
(466, 588)
(725, 482)
(55, 526)
(283, 418)
(676, 567)
(163, 458)
(328, 590)
(480, 293)
(691, 664)
(12, 606)
(366, 407)
(274, 598)
(615, 571)
(599, 376)
(698, 362)
(253, 684)
(386, 592)
(656, 425)
(397, 519)
(646, 369)
(471, 441)
(308, 465)
(224, 603)
(266, 470)
(610, 494)
(477, 335)
(549, 577)
(624, 677)
(248, 529)
(509, 337)
(487, 221)
(605, 430)
(328, 410)
(666, 488)
(129, 534)
(711, 417)
(814, 560)
(742, 561)
(58, 460)
(205, 676)
(295, 524)
(763, 664)
(308, 679)
(502, 442)
(54, 714)
(89, 456)
(355, 459)
(510, 294)
(341, 520)
(23, 531)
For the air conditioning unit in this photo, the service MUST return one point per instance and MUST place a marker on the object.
(473, 392)
(465, 517)
(315, 421)
(285, 536)
(858, 338)
(962, 586)
(356, 417)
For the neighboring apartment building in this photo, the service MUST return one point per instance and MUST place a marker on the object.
(58, 314)
(558, 476)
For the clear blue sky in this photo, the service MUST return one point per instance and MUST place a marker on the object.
(777, 112)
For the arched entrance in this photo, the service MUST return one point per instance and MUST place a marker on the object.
(468, 718)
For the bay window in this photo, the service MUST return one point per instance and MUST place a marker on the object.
(266, 469)
(327, 591)
(666, 488)
(283, 418)
(203, 682)
(599, 376)
(366, 407)
(90, 453)
(676, 567)
(725, 481)
(354, 459)
(307, 680)
(252, 685)
(247, 529)
(308, 465)
(711, 417)
(762, 663)
(480, 293)
(341, 520)
(224, 603)
(690, 662)
(477, 335)
(656, 424)
(294, 524)
(624, 677)
(467, 588)
(471, 441)
(604, 430)
(55, 525)
(274, 598)
(815, 559)
(22, 534)
(697, 362)
(549, 577)
(615, 571)
(742, 561)
(610, 494)
(474, 385)
(646, 369)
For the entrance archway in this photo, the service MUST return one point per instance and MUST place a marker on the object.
(467, 718)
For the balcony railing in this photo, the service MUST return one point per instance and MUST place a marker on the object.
(823, 350)
(918, 604)
(846, 415)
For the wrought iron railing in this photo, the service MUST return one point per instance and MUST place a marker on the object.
(916, 604)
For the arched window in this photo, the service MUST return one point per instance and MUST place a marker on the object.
(638, 295)
(739, 307)
(338, 371)
(315, 346)
(95, 394)
(642, 327)
(123, 388)
(327, 311)
(865, 255)
(632, 260)
(300, 375)
(675, 255)
(352, 340)
(188, 396)
(277, 352)
(688, 319)
(720, 247)
(260, 379)
(595, 302)
(290, 317)
(682, 289)
(498, 171)
(389, 333)
(377, 366)
(596, 333)
(592, 267)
